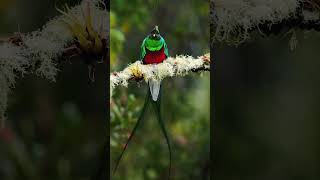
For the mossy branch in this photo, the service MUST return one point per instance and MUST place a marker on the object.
(79, 31)
(234, 22)
(180, 65)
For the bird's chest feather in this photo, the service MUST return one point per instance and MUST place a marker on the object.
(154, 57)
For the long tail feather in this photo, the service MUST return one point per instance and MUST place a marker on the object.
(154, 87)
(158, 112)
(133, 131)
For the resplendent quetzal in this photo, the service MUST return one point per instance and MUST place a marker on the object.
(154, 50)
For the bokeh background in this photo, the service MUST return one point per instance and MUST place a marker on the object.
(267, 109)
(55, 130)
(185, 101)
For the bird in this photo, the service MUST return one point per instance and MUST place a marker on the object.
(154, 50)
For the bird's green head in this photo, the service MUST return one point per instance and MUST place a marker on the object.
(155, 34)
(154, 40)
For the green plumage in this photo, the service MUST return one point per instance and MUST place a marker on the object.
(153, 45)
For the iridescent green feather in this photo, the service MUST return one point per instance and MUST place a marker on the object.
(153, 45)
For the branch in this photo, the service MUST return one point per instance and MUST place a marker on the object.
(71, 49)
(234, 21)
(79, 31)
(306, 17)
(180, 65)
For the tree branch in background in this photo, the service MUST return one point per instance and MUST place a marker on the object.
(180, 65)
(79, 31)
(71, 50)
(234, 22)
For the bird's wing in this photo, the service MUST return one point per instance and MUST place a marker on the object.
(143, 49)
(166, 51)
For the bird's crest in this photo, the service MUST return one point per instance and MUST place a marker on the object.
(155, 30)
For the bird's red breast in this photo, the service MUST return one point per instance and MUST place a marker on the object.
(154, 57)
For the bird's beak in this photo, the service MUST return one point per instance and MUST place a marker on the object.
(154, 35)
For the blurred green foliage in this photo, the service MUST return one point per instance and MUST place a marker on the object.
(185, 101)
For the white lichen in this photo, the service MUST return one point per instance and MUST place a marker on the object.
(39, 51)
(310, 15)
(12, 63)
(173, 66)
(234, 18)
(233, 21)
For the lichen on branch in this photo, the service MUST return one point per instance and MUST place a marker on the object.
(234, 21)
(79, 31)
(180, 65)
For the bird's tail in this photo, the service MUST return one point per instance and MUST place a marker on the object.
(154, 87)
(156, 105)
(147, 100)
